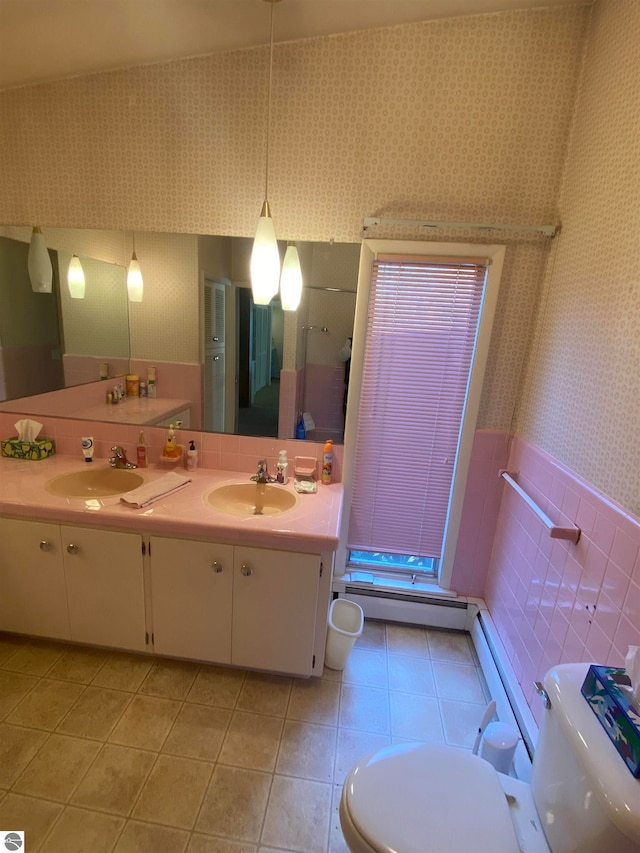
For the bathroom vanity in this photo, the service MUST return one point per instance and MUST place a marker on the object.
(178, 578)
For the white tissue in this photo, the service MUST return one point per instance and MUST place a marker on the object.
(632, 666)
(28, 430)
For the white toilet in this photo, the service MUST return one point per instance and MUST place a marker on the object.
(438, 799)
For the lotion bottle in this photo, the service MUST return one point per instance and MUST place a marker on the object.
(191, 460)
(141, 452)
(327, 462)
(281, 467)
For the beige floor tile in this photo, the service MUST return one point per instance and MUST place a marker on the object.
(170, 679)
(373, 636)
(34, 658)
(351, 746)
(34, 817)
(78, 664)
(17, 748)
(215, 685)
(198, 732)
(140, 837)
(123, 672)
(457, 681)
(235, 803)
(96, 713)
(365, 708)
(331, 674)
(450, 646)
(314, 700)
(298, 815)
(411, 675)
(173, 792)
(366, 667)
(460, 721)
(405, 640)
(307, 750)
(114, 780)
(46, 704)
(146, 722)
(265, 694)
(14, 686)
(251, 741)
(9, 645)
(81, 831)
(208, 844)
(56, 770)
(337, 844)
(416, 717)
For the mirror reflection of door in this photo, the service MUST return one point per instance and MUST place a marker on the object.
(214, 355)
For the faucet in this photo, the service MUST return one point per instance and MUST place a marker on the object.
(262, 475)
(119, 458)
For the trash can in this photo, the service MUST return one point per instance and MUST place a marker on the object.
(346, 621)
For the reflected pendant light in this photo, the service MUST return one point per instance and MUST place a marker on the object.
(291, 280)
(75, 278)
(135, 285)
(265, 258)
(39, 264)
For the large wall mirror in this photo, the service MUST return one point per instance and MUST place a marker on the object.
(222, 364)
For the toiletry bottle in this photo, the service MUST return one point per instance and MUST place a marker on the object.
(151, 382)
(281, 467)
(171, 450)
(141, 452)
(327, 462)
(191, 461)
(300, 430)
(87, 448)
(143, 388)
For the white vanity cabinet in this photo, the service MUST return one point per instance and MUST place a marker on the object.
(33, 594)
(105, 587)
(191, 591)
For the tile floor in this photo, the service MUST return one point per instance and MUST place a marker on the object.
(103, 751)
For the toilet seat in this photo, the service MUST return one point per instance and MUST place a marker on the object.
(426, 799)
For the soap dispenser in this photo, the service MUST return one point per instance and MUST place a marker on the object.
(281, 467)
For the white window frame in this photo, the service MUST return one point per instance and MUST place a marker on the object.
(370, 249)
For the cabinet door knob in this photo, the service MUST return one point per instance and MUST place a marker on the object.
(72, 549)
(45, 546)
(216, 566)
(246, 570)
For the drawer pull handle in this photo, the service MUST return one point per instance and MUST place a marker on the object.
(216, 566)
(45, 546)
(246, 570)
(72, 549)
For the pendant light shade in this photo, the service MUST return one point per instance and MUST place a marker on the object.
(39, 264)
(291, 280)
(135, 284)
(75, 278)
(265, 260)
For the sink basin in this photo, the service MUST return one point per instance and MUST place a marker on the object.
(246, 499)
(94, 483)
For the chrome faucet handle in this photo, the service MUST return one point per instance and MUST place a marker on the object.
(263, 476)
(119, 458)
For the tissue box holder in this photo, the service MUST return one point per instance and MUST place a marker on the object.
(612, 706)
(34, 450)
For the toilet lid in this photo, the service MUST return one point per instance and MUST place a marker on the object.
(429, 799)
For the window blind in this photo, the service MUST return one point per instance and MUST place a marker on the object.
(421, 332)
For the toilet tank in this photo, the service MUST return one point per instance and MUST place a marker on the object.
(586, 798)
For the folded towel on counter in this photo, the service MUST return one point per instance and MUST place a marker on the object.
(150, 492)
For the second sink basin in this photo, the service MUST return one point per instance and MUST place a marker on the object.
(246, 499)
(94, 483)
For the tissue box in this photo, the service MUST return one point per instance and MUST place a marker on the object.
(35, 450)
(611, 704)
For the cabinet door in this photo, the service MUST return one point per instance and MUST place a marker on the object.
(105, 587)
(274, 610)
(33, 596)
(191, 587)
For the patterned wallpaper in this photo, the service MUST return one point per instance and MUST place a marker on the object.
(581, 401)
(464, 118)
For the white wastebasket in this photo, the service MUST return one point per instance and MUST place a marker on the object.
(346, 621)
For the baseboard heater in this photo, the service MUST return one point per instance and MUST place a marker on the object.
(412, 609)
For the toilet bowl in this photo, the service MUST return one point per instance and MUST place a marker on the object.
(411, 798)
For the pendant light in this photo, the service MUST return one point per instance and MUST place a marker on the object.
(75, 278)
(291, 280)
(135, 285)
(265, 258)
(39, 264)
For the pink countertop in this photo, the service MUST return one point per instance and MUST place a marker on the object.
(312, 526)
(141, 411)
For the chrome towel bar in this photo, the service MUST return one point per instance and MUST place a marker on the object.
(555, 532)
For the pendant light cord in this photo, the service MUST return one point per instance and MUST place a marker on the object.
(266, 171)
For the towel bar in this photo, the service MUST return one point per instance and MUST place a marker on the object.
(555, 532)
